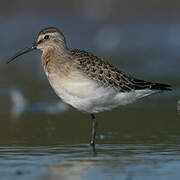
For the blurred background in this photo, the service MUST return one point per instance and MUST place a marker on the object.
(42, 138)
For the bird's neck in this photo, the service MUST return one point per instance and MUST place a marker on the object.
(54, 54)
(56, 60)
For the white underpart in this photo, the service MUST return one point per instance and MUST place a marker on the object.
(88, 96)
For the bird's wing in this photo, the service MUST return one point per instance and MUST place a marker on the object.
(108, 75)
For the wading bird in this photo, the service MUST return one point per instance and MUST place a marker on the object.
(83, 80)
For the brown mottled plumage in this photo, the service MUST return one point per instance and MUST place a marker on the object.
(108, 75)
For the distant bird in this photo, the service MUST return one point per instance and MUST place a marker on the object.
(20, 105)
(85, 81)
(178, 106)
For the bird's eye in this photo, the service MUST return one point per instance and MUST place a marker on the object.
(46, 37)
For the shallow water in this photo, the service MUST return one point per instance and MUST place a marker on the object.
(136, 142)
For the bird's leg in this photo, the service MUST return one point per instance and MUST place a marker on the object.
(93, 132)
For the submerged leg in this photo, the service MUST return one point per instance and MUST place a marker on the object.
(93, 132)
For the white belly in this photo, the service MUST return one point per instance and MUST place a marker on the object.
(88, 96)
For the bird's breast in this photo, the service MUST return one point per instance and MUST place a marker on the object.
(79, 91)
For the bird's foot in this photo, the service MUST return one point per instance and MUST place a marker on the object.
(92, 144)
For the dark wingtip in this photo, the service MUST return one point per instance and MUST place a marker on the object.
(140, 84)
(162, 87)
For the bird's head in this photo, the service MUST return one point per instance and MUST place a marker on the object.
(48, 38)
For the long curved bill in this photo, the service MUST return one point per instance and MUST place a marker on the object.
(24, 51)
